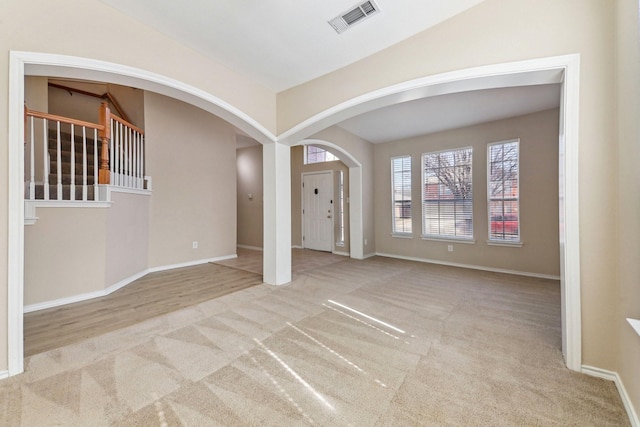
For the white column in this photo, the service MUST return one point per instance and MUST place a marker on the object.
(276, 161)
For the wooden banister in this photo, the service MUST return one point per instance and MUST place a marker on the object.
(61, 119)
(104, 176)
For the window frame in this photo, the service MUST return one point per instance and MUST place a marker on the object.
(502, 241)
(327, 153)
(340, 216)
(444, 237)
(394, 231)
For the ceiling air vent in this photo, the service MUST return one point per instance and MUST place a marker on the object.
(354, 15)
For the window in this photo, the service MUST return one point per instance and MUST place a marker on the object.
(401, 194)
(340, 241)
(315, 154)
(503, 191)
(447, 194)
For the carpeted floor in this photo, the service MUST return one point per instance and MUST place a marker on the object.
(378, 342)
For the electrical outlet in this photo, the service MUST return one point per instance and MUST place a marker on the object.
(194, 245)
(450, 248)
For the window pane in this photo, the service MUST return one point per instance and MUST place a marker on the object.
(503, 191)
(318, 155)
(448, 194)
(401, 194)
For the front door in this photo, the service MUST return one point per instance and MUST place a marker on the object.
(317, 211)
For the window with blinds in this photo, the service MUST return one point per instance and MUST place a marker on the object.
(313, 154)
(447, 194)
(503, 191)
(401, 194)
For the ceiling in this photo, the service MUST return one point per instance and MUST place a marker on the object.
(440, 113)
(281, 44)
(284, 44)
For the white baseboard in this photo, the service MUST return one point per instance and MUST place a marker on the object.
(613, 376)
(253, 248)
(297, 247)
(96, 294)
(341, 253)
(470, 266)
(4, 374)
(365, 256)
(190, 263)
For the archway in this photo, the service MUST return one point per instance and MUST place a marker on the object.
(563, 69)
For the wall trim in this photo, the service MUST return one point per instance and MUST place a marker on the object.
(4, 374)
(253, 248)
(343, 253)
(613, 376)
(96, 294)
(471, 266)
(191, 263)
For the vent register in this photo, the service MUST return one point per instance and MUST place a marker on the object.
(354, 15)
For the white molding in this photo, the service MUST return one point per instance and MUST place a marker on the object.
(191, 263)
(67, 204)
(505, 244)
(297, 247)
(369, 255)
(15, 221)
(4, 374)
(54, 65)
(342, 253)
(96, 294)
(253, 248)
(448, 240)
(471, 266)
(613, 376)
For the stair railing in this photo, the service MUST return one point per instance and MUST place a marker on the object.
(70, 153)
(49, 134)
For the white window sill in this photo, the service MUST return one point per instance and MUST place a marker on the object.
(507, 244)
(635, 324)
(402, 235)
(449, 240)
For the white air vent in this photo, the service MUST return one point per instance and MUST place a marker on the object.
(354, 15)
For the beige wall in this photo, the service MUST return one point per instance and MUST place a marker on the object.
(128, 43)
(127, 240)
(538, 134)
(628, 44)
(84, 107)
(64, 254)
(250, 210)
(191, 157)
(499, 31)
(361, 153)
(297, 169)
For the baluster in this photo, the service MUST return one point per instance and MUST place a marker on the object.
(142, 171)
(119, 160)
(45, 157)
(59, 161)
(129, 158)
(84, 163)
(134, 172)
(111, 164)
(32, 162)
(72, 144)
(95, 164)
(137, 159)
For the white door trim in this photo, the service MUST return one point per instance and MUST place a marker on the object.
(330, 174)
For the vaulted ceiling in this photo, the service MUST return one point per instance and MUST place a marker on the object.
(284, 44)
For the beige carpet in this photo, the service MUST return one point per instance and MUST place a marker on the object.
(365, 343)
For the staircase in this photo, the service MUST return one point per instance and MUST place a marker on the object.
(66, 159)
(68, 170)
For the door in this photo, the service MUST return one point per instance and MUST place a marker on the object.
(317, 211)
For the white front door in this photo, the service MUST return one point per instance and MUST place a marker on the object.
(317, 211)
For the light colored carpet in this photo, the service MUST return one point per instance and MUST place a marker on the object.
(378, 342)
